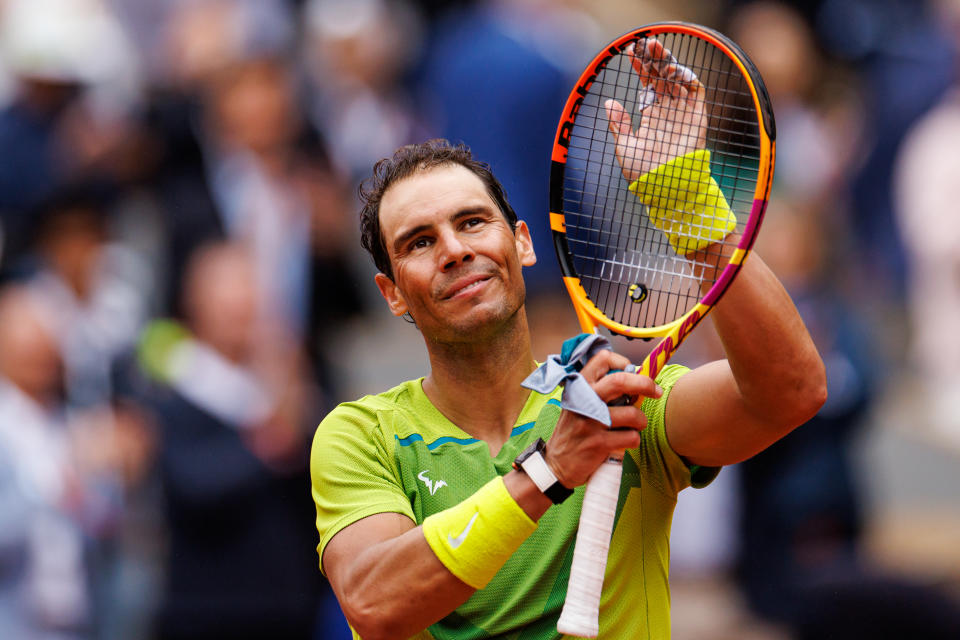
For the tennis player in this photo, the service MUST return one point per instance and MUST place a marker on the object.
(448, 505)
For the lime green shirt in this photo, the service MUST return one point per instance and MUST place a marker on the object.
(395, 452)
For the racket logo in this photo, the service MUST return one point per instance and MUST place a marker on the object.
(566, 127)
(637, 293)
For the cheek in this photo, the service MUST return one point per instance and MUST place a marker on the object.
(514, 255)
(411, 282)
(415, 267)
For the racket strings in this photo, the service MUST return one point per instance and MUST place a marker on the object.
(627, 266)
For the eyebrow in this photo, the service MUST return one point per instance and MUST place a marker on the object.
(406, 236)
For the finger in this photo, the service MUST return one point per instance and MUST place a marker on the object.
(636, 62)
(655, 56)
(660, 86)
(670, 85)
(663, 64)
(615, 385)
(643, 63)
(621, 439)
(683, 77)
(618, 119)
(648, 71)
(602, 363)
(629, 417)
(679, 73)
(659, 57)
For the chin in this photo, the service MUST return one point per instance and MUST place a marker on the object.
(480, 325)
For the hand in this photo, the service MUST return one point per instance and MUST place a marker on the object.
(672, 117)
(578, 444)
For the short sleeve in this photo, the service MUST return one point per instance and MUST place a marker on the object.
(663, 466)
(352, 470)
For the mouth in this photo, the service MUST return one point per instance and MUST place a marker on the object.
(466, 286)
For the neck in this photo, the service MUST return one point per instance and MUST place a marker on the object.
(476, 385)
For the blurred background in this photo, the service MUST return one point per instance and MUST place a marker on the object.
(183, 296)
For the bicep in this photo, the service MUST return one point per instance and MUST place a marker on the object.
(708, 422)
(349, 545)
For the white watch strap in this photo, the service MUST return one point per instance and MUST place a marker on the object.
(538, 471)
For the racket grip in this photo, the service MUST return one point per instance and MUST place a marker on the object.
(581, 610)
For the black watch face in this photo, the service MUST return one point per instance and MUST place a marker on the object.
(529, 451)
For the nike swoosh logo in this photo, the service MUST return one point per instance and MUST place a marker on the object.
(456, 542)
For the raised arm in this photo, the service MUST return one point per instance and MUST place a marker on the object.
(773, 379)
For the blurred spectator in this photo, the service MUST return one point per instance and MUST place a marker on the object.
(233, 418)
(95, 294)
(43, 589)
(801, 562)
(97, 291)
(59, 52)
(196, 40)
(239, 160)
(181, 42)
(356, 54)
(815, 101)
(899, 83)
(928, 170)
(252, 125)
(276, 193)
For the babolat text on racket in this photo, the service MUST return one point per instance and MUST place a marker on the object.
(662, 167)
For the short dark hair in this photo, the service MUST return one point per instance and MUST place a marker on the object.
(405, 162)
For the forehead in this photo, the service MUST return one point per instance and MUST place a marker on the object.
(430, 196)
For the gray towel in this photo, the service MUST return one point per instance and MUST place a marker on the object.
(564, 368)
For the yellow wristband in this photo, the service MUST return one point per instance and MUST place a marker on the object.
(474, 538)
(685, 202)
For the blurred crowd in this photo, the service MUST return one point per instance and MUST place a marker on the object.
(180, 276)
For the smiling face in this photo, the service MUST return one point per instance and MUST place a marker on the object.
(456, 262)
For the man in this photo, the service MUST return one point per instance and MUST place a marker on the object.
(426, 530)
(43, 574)
(234, 393)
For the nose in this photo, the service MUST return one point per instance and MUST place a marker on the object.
(454, 251)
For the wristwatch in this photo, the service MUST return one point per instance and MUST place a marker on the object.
(531, 462)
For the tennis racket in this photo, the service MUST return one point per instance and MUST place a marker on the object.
(661, 171)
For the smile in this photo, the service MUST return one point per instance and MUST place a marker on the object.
(466, 288)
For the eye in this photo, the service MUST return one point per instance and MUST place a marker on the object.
(419, 243)
(472, 222)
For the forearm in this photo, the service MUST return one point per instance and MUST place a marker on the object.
(772, 380)
(398, 585)
(776, 367)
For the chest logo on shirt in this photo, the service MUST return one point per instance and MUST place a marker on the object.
(432, 485)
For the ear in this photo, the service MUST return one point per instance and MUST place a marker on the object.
(390, 292)
(521, 235)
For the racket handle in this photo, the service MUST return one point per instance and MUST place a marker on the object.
(581, 610)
